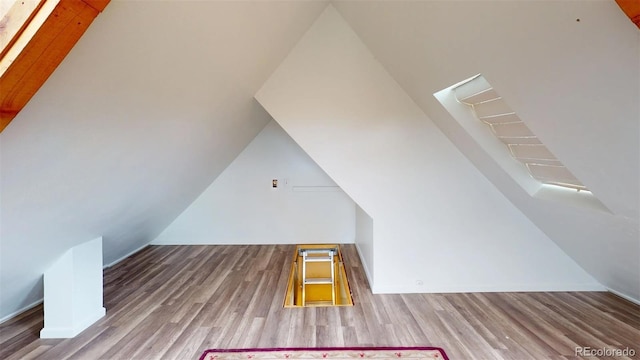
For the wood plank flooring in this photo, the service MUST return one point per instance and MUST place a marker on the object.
(173, 302)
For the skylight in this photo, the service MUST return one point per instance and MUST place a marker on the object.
(522, 143)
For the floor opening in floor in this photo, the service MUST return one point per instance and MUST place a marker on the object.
(318, 277)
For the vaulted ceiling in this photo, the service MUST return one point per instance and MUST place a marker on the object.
(38, 34)
(156, 99)
(133, 125)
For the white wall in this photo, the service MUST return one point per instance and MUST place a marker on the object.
(574, 83)
(135, 123)
(364, 241)
(73, 291)
(242, 207)
(434, 213)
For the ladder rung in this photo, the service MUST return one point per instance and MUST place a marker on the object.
(317, 255)
(318, 281)
(318, 259)
(319, 303)
(318, 251)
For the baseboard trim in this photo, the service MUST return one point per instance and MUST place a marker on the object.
(244, 243)
(624, 296)
(126, 256)
(367, 273)
(426, 289)
(69, 332)
(21, 311)
(41, 300)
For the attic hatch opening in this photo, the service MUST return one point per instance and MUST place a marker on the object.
(523, 145)
(318, 277)
(498, 130)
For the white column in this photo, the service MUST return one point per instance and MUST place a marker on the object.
(73, 291)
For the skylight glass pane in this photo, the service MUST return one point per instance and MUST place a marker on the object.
(5, 5)
(553, 174)
(501, 119)
(485, 95)
(520, 141)
(531, 152)
(512, 130)
(474, 86)
(494, 107)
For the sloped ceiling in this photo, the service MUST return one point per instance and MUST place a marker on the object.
(148, 108)
(35, 38)
(156, 100)
(340, 105)
(570, 69)
(632, 9)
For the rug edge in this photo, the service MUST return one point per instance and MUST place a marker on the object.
(441, 350)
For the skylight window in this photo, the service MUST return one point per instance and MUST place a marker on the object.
(522, 143)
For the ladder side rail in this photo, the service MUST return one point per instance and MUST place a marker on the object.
(304, 278)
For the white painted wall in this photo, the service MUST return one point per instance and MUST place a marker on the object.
(364, 241)
(576, 84)
(242, 207)
(434, 212)
(135, 123)
(73, 291)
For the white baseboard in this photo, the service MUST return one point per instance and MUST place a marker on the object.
(227, 242)
(69, 332)
(624, 296)
(367, 273)
(21, 310)
(464, 288)
(41, 300)
(125, 256)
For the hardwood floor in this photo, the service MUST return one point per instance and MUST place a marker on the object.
(173, 302)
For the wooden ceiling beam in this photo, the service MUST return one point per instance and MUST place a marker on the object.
(632, 9)
(40, 49)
